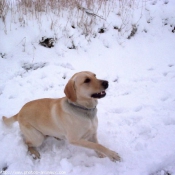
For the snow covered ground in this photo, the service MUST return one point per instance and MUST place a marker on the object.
(136, 118)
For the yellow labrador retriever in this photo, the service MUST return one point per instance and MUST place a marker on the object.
(72, 117)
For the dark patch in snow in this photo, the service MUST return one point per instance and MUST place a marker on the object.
(117, 28)
(115, 80)
(33, 66)
(154, 2)
(102, 30)
(165, 21)
(133, 32)
(170, 65)
(72, 46)
(173, 30)
(161, 172)
(48, 42)
(64, 77)
(145, 30)
(3, 170)
(3, 55)
(166, 2)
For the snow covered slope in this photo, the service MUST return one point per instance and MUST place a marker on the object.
(136, 118)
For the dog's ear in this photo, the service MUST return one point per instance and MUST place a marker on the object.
(70, 91)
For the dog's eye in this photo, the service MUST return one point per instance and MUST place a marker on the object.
(87, 80)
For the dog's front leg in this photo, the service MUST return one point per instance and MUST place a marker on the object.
(97, 147)
(95, 140)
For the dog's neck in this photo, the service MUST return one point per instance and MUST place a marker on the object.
(79, 110)
(80, 106)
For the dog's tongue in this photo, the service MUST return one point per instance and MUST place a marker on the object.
(102, 92)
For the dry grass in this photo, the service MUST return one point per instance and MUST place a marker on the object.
(34, 8)
(4, 8)
(82, 14)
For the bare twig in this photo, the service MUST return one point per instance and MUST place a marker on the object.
(88, 12)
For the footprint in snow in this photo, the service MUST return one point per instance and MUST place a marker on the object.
(11, 97)
(170, 65)
(138, 108)
(67, 66)
(118, 110)
(165, 74)
(165, 98)
(170, 74)
(151, 69)
(169, 121)
(126, 93)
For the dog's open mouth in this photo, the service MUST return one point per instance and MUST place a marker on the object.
(99, 95)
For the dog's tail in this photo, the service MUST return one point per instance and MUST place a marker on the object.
(10, 121)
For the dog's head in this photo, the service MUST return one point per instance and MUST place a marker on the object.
(84, 86)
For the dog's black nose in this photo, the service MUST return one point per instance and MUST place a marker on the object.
(105, 84)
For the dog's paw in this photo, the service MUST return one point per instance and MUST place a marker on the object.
(114, 156)
(35, 154)
(100, 155)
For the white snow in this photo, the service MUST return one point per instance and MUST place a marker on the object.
(136, 118)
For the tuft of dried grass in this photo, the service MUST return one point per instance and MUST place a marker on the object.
(4, 8)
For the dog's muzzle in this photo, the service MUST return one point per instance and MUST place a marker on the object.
(101, 94)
